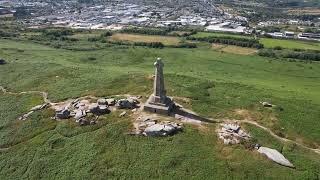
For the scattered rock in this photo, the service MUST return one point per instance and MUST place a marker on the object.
(2, 62)
(134, 110)
(266, 104)
(82, 104)
(125, 104)
(123, 114)
(232, 127)
(149, 127)
(111, 101)
(133, 100)
(83, 122)
(103, 109)
(63, 114)
(232, 134)
(102, 101)
(162, 129)
(75, 102)
(94, 108)
(275, 156)
(73, 113)
(150, 123)
(98, 109)
(155, 130)
(80, 114)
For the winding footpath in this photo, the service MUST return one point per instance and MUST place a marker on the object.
(43, 94)
(276, 136)
(46, 100)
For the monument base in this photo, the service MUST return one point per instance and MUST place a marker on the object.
(160, 108)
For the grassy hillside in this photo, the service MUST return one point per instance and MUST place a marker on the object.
(217, 84)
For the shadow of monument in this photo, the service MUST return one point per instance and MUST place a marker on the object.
(177, 110)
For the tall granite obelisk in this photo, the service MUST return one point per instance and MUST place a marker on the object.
(158, 102)
(159, 93)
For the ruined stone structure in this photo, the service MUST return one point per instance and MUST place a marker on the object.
(158, 102)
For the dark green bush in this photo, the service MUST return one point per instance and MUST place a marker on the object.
(243, 42)
(307, 55)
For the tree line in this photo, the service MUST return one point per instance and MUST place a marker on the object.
(278, 52)
(154, 44)
(170, 31)
(147, 44)
(54, 35)
(8, 34)
(243, 42)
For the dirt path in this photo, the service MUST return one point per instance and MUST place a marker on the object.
(274, 135)
(46, 100)
(43, 94)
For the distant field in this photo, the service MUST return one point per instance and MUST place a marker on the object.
(234, 49)
(290, 44)
(310, 11)
(208, 34)
(145, 38)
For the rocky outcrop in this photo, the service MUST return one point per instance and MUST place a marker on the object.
(111, 101)
(85, 110)
(149, 127)
(80, 114)
(126, 103)
(102, 101)
(97, 109)
(79, 109)
(63, 114)
(232, 134)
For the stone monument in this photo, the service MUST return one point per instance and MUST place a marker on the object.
(158, 102)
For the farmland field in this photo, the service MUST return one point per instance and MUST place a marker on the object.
(218, 85)
(145, 38)
(234, 49)
(290, 44)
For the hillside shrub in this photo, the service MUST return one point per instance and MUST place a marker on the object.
(243, 42)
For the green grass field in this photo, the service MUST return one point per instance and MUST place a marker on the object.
(289, 44)
(166, 40)
(217, 84)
